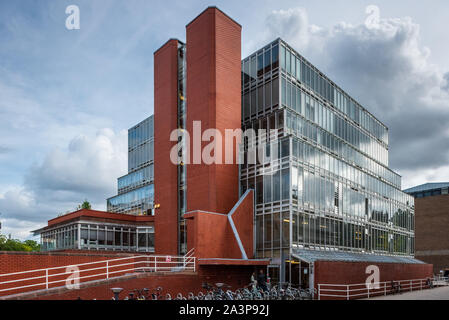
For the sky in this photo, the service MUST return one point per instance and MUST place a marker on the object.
(67, 97)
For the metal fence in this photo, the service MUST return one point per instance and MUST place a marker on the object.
(363, 290)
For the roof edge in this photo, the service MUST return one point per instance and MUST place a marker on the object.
(214, 7)
(165, 43)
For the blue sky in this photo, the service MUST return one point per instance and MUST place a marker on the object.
(68, 97)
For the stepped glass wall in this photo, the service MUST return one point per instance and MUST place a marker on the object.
(136, 189)
(321, 179)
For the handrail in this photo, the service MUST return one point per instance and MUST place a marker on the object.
(188, 258)
(115, 267)
(353, 290)
(70, 265)
(190, 253)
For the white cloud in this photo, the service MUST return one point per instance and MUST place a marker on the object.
(446, 85)
(388, 70)
(86, 169)
(88, 164)
(291, 24)
(413, 178)
(19, 229)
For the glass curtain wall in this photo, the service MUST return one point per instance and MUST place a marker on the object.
(93, 236)
(135, 194)
(135, 202)
(182, 185)
(321, 182)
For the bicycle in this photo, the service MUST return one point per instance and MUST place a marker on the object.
(157, 294)
(141, 294)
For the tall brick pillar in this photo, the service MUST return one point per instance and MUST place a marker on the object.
(214, 98)
(165, 173)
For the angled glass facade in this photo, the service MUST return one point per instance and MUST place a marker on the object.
(141, 145)
(321, 180)
(136, 189)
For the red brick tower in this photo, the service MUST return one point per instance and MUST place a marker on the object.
(213, 81)
(165, 172)
(214, 98)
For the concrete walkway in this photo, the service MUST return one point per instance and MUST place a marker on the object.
(441, 293)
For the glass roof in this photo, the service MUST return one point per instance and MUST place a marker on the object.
(315, 255)
(427, 186)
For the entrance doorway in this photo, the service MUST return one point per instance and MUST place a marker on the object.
(304, 275)
(273, 274)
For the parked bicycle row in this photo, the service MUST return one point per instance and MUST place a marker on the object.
(220, 291)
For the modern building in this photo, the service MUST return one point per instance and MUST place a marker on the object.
(135, 193)
(428, 190)
(432, 224)
(126, 230)
(322, 182)
(263, 162)
(99, 231)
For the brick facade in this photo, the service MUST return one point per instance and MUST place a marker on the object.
(431, 231)
(212, 236)
(213, 97)
(334, 272)
(236, 277)
(173, 283)
(11, 262)
(213, 60)
(165, 172)
(243, 218)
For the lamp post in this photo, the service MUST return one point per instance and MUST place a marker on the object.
(116, 292)
(153, 209)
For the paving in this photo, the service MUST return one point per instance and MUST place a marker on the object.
(440, 293)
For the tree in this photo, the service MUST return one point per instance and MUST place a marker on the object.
(17, 245)
(33, 245)
(2, 240)
(86, 205)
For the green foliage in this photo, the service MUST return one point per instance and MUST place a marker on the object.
(17, 245)
(33, 245)
(85, 205)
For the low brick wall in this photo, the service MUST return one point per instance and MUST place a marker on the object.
(439, 261)
(236, 277)
(173, 283)
(11, 262)
(336, 272)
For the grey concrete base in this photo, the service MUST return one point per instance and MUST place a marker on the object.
(441, 293)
